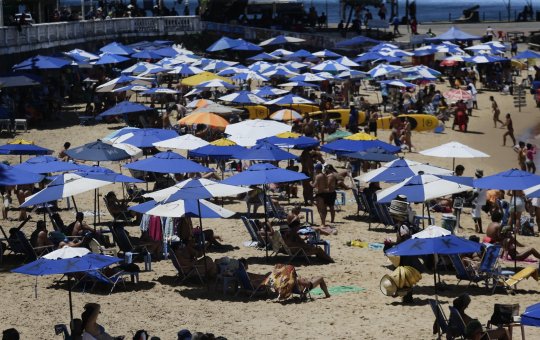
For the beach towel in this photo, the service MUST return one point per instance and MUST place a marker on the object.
(338, 290)
(530, 259)
(361, 244)
(283, 280)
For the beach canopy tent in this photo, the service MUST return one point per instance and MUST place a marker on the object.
(184, 142)
(125, 107)
(40, 62)
(17, 79)
(45, 165)
(401, 169)
(167, 162)
(422, 188)
(67, 260)
(358, 40)
(12, 176)
(98, 152)
(453, 34)
(201, 188)
(281, 40)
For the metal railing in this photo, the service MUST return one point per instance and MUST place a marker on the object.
(38, 36)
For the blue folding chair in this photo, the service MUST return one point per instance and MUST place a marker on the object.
(97, 276)
(462, 273)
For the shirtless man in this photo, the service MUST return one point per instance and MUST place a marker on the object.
(332, 195)
(307, 159)
(62, 154)
(80, 225)
(494, 228)
(308, 125)
(320, 184)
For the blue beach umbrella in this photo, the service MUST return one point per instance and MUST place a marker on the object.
(401, 169)
(246, 46)
(19, 147)
(146, 54)
(125, 107)
(263, 56)
(224, 43)
(217, 151)
(159, 90)
(46, 164)
(527, 54)
(281, 40)
(299, 55)
(298, 84)
(307, 77)
(243, 97)
(398, 83)
(106, 174)
(117, 48)
(358, 40)
(327, 54)
(108, 58)
(144, 138)
(167, 162)
(531, 316)
(167, 51)
(194, 189)
(372, 155)
(442, 245)
(67, 260)
(300, 142)
(288, 100)
(119, 132)
(264, 173)
(12, 176)
(342, 146)
(97, 152)
(368, 56)
(185, 70)
(268, 91)
(330, 66)
(279, 71)
(264, 151)
(40, 62)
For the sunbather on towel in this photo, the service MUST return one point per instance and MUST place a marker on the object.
(510, 250)
(189, 257)
(283, 279)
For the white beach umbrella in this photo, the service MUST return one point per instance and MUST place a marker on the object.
(454, 150)
(247, 133)
(133, 151)
(431, 232)
(182, 208)
(184, 142)
(214, 189)
(400, 169)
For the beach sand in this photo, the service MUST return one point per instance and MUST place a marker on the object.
(162, 307)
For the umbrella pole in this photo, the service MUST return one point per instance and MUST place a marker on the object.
(95, 209)
(97, 199)
(453, 163)
(74, 204)
(265, 222)
(514, 228)
(204, 241)
(70, 300)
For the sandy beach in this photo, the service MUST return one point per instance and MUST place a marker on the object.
(162, 307)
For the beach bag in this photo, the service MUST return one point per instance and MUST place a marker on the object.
(527, 228)
(503, 314)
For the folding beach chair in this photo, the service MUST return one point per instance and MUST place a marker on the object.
(490, 268)
(251, 232)
(122, 216)
(184, 272)
(525, 273)
(123, 242)
(98, 277)
(440, 318)
(247, 286)
(18, 244)
(456, 325)
(272, 211)
(464, 273)
(262, 243)
(279, 245)
(361, 204)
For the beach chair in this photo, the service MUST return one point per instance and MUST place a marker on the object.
(456, 325)
(247, 286)
(491, 270)
(97, 248)
(252, 233)
(273, 212)
(255, 203)
(440, 318)
(279, 245)
(262, 242)
(123, 242)
(122, 216)
(382, 215)
(361, 204)
(525, 273)
(464, 273)
(96, 277)
(184, 273)
(18, 244)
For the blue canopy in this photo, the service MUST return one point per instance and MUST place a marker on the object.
(268, 91)
(97, 151)
(106, 174)
(146, 54)
(167, 52)
(531, 316)
(246, 46)
(216, 151)
(167, 162)
(224, 43)
(347, 146)
(119, 132)
(117, 48)
(46, 164)
(372, 155)
(145, 138)
(23, 149)
(264, 173)
(264, 151)
(263, 56)
(291, 99)
(527, 54)
(300, 54)
(358, 40)
(40, 62)
(108, 58)
(443, 245)
(512, 179)
(124, 108)
(12, 176)
(368, 56)
(301, 142)
(454, 34)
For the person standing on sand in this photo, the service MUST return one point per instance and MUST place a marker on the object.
(509, 130)
(496, 112)
(522, 155)
(332, 186)
(320, 185)
(529, 162)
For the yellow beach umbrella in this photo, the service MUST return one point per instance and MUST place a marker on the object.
(206, 118)
(203, 77)
(288, 134)
(223, 142)
(21, 142)
(360, 136)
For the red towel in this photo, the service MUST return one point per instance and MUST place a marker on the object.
(154, 231)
